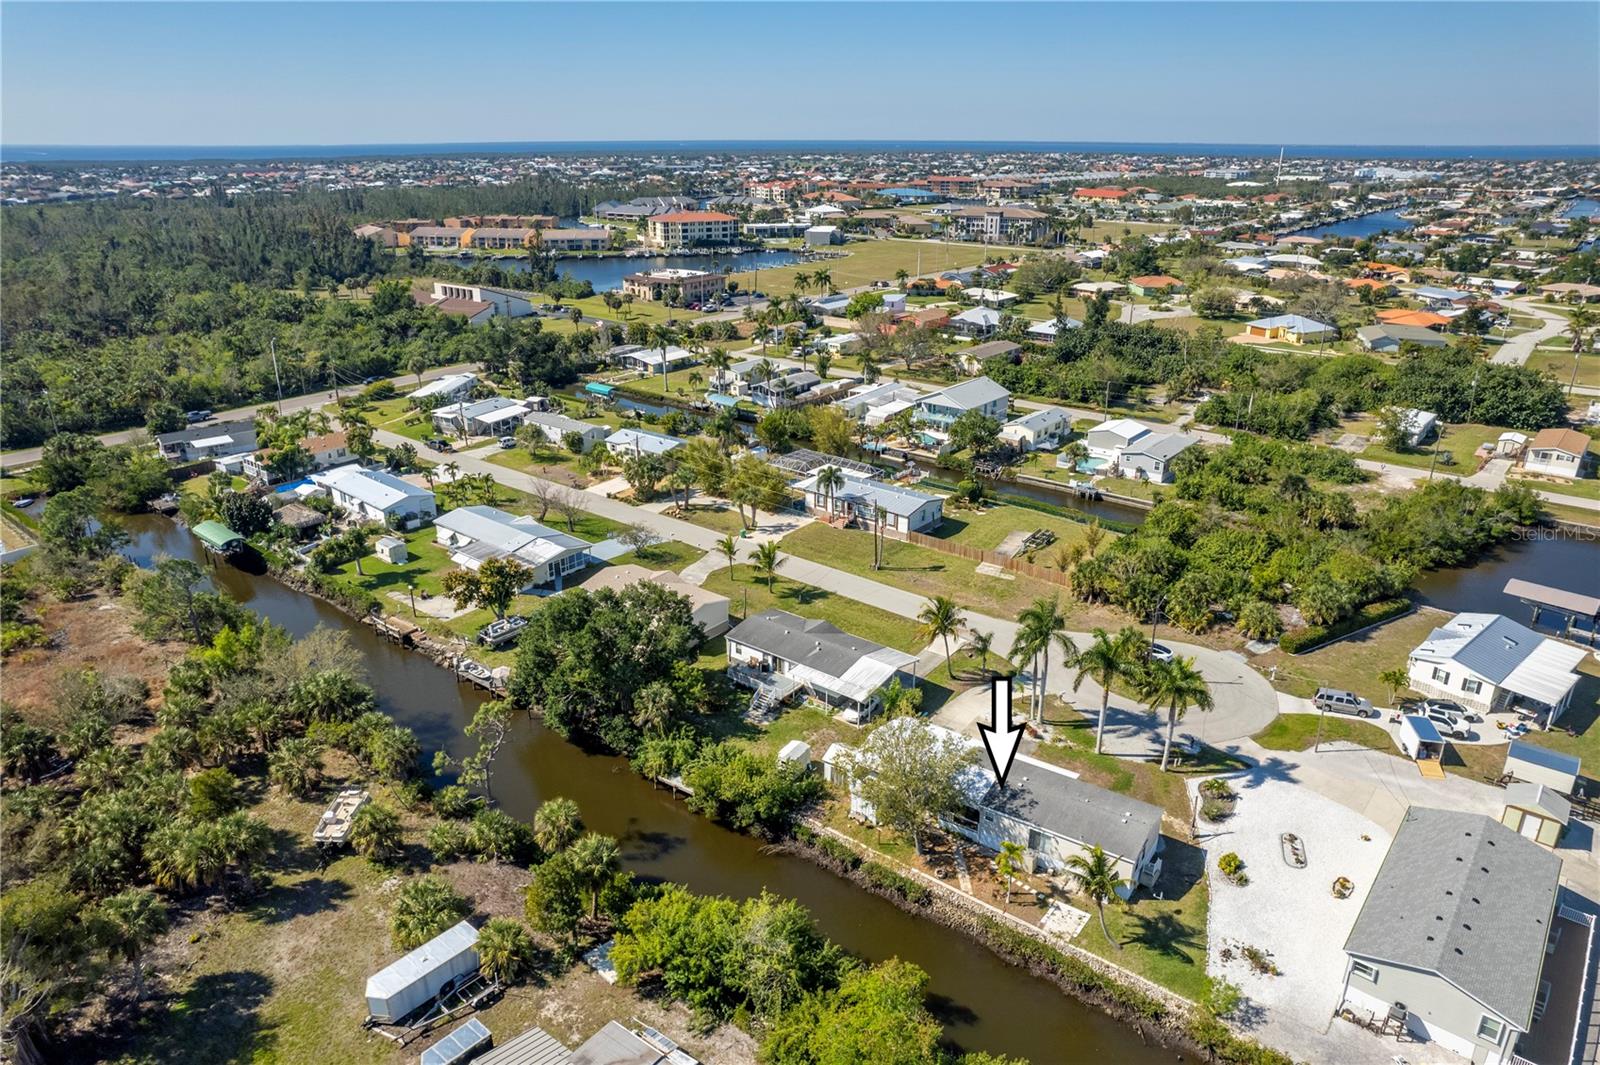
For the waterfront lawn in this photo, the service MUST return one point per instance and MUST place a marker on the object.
(1583, 488)
(986, 529)
(1132, 487)
(919, 569)
(1354, 662)
(749, 595)
(1297, 732)
(1163, 940)
(1576, 515)
(1461, 441)
(864, 262)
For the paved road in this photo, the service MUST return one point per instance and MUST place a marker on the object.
(28, 456)
(1515, 352)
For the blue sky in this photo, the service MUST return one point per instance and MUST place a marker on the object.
(1266, 73)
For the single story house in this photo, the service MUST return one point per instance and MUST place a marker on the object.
(1386, 339)
(862, 399)
(972, 359)
(1571, 291)
(980, 394)
(992, 297)
(905, 509)
(1155, 285)
(1489, 663)
(377, 495)
(1129, 448)
(495, 416)
(1090, 289)
(1295, 328)
(555, 427)
(1536, 812)
(1047, 809)
(1434, 296)
(1045, 332)
(215, 441)
(477, 533)
(710, 610)
(650, 360)
(1417, 425)
(1456, 927)
(1401, 316)
(327, 450)
(641, 442)
(450, 387)
(975, 322)
(1559, 453)
(822, 236)
(1038, 429)
(833, 666)
(503, 302)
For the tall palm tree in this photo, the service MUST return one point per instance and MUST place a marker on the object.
(595, 858)
(978, 645)
(663, 337)
(824, 280)
(719, 361)
(1009, 863)
(556, 824)
(1174, 687)
(730, 549)
(1105, 661)
(941, 619)
(126, 924)
(901, 276)
(766, 561)
(829, 481)
(1095, 874)
(1037, 627)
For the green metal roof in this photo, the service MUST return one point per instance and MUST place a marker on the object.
(217, 536)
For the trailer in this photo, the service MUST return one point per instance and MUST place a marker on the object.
(1421, 742)
(439, 966)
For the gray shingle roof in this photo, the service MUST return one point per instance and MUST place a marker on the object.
(1075, 809)
(1463, 896)
(969, 394)
(817, 644)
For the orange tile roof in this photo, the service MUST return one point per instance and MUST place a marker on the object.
(1102, 193)
(1425, 319)
(1154, 281)
(1366, 282)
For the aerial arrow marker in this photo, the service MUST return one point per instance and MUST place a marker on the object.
(1000, 737)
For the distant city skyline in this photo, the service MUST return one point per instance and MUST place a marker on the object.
(251, 74)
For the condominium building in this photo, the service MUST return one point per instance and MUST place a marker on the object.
(679, 229)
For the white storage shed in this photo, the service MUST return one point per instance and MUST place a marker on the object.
(417, 979)
(1540, 765)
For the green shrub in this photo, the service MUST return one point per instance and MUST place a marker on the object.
(886, 879)
(1231, 866)
(1302, 640)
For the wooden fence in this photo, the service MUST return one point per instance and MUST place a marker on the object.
(1048, 574)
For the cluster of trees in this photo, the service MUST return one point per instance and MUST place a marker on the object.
(93, 866)
(1307, 548)
(764, 959)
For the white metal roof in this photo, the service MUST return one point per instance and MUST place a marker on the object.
(376, 488)
(435, 953)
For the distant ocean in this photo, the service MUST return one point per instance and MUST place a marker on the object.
(59, 153)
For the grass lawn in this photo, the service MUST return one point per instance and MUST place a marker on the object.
(1460, 440)
(749, 595)
(548, 463)
(1163, 940)
(720, 517)
(1074, 749)
(986, 529)
(1580, 515)
(1584, 488)
(1558, 363)
(1354, 662)
(873, 260)
(1297, 732)
(1132, 487)
(919, 569)
(669, 554)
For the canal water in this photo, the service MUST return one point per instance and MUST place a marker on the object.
(1367, 225)
(606, 274)
(1554, 557)
(984, 1003)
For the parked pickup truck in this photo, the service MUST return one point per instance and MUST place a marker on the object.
(1336, 701)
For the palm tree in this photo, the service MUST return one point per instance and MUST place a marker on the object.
(505, 950)
(1037, 627)
(1009, 863)
(126, 924)
(978, 645)
(901, 276)
(1107, 660)
(1174, 687)
(730, 550)
(1095, 874)
(375, 832)
(824, 280)
(719, 361)
(424, 908)
(556, 824)
(829, 481)
(595, 858)
(243, 841)
(766, 561)
(941, 619)
(663, 337)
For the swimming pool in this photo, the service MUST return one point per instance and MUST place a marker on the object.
(1092, 465)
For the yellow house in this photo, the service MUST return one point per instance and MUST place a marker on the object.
(1294, 328)
(442, 237)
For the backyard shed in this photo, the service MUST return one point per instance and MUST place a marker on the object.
(418, 978)
(1535, 812)
(1537, 765)
(795, 752)
(1420, 740)
(533, 1047)
(459, 1045)
(392, 550)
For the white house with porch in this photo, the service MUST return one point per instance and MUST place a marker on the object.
(779, 654)
(377, 496)
(1489, 663)
(858, 500)
(475, 534)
